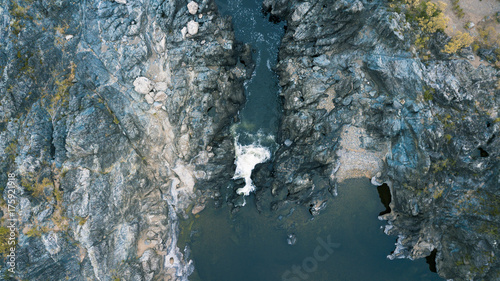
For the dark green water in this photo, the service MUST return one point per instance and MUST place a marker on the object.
(249, 246)
(259, 117)
(256, 131)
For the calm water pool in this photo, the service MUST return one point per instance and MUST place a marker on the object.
(252, 246)
(255, 133)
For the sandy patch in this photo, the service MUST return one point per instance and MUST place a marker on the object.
(355, 160)
(481, 13)
(145, 244)
(475, 11)
(327, 102)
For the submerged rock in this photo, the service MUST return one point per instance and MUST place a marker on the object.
(291, 239)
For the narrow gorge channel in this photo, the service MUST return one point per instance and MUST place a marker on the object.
(256, 131)
(237, 241)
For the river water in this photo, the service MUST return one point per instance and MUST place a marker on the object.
(249, 246)
(345, 242)
(255, 133)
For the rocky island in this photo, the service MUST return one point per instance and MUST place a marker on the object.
(115, 124)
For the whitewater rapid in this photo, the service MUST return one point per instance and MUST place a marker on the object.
(247, 156)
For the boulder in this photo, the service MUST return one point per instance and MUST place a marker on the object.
(143, 85)
(192, 27)
(149, 99)
(160, 96)
(161, 86)
(192, 7)
(183, 32)
(157, 105)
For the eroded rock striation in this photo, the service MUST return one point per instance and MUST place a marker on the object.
(114, 120)
(359, 102)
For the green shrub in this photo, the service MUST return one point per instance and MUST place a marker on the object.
(11, 150)
(427, 16)
(457, 9)
(429, 94)
(431, 18)
(34, 232)
(34, 187)
(4, 245)
(459, 41)
(81, 220)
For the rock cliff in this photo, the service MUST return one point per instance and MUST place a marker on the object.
(114, 119)
(359, 102)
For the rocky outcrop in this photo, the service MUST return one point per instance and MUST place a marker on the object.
(114, 120)
(359, 102)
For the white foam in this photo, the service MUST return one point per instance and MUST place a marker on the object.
(247, 156)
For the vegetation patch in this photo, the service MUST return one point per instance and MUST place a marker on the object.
(429, 93)
(457, 9)
(81, 220)
(11, 150)
(489, 39)
(4, 241)
(36, 188)
(36, 231)
(457, 42)
(63, 85)
(46, 190)
(428, 18)
(19, 14)
(442, 165)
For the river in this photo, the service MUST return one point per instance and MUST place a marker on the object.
(345, 242)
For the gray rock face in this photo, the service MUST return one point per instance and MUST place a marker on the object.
(358, 103)
(102, 172)
(105, 166)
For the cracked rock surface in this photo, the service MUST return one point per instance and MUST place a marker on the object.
(115, 115)
(359, 103)
(113, 122)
